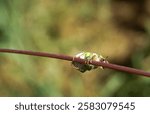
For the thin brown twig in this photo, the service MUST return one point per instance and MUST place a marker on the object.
(70, 58)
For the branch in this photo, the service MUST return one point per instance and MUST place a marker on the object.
(70, 58)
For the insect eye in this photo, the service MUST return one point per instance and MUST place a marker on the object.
(102, 59)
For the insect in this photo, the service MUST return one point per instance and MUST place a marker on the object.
(89, 57)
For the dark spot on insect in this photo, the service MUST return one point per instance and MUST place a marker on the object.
(82, 67)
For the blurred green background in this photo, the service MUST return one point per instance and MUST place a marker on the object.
(119, 29)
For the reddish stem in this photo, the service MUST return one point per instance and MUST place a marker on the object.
(69, 58)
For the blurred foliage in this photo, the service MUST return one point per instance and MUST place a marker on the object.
(119, 29)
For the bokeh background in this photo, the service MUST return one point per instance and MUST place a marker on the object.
(119, 29)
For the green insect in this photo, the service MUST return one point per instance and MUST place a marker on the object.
(89, 57)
